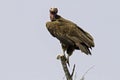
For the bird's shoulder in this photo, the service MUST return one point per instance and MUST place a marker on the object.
(60, 21)
(63, 25)
(51, 24)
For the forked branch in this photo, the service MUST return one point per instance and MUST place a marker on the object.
(65, 68)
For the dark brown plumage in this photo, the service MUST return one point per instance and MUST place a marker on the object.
(69, 34)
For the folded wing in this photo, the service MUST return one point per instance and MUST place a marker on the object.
(70, 34)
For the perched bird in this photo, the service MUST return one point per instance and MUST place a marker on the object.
(70, 35)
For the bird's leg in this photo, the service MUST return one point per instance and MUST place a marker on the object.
(64, 54)
(67, 60)
(64, 49)
(70, 50)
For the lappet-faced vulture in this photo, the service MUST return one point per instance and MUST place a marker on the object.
(70, 35)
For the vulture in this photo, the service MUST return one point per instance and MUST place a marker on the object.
(70, 35)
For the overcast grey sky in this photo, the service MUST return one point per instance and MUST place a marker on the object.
(28, 51)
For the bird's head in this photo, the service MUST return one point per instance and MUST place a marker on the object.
(53, 13)
(53, 10)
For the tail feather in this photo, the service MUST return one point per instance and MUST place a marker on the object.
(84, 49)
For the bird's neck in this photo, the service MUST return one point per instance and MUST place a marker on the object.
(53, 17)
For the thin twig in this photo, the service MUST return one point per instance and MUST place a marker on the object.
(86, 72)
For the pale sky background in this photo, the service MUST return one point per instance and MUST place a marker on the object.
(28, 51)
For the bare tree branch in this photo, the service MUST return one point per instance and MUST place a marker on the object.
(65, 68)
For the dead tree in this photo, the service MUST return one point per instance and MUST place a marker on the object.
(69, 76)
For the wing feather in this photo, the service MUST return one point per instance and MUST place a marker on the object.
(74, 30)
(57, 30)
(69, 33)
